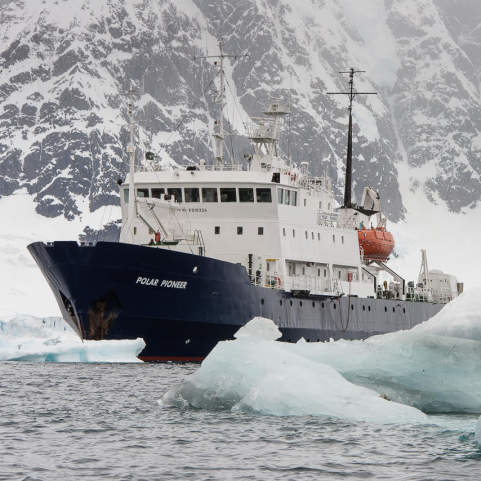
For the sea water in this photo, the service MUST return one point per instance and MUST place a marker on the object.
(104, 421)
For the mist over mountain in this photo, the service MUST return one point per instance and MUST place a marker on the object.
(64, 66)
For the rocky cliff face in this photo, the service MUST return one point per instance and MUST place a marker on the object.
(63, 69)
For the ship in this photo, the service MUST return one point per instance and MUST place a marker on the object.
(205, 248)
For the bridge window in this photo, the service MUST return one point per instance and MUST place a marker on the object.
(294, 198)
(228, 194)
(287, 197)
(280, 196)
(209, 194)
(156, 193)
(246, 195)
(284, 231)
(307, 235)
(177, 193)
(126, 196)
(192, 195)
(260, 231)
(312, 235)
(264, 195)
(240, 230)
(217, 229)
(142, 192)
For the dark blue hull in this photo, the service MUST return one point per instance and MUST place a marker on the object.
(183, 304)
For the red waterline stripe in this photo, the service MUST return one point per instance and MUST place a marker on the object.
(174, 359)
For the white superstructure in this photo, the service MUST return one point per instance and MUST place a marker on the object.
(274, 219)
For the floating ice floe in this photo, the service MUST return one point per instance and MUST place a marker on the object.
(434, 367)
(254, 373)
(29, 338)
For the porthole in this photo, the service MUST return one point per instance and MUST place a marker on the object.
(280, 302)
(352, 307)
(290, 302)
(313, 304)
(404, 310)
(195, 270)
(335, 307)
(393, 309)
(363, 308)
(262, 301)
(385, 309)
(369, 308)
(300, 303)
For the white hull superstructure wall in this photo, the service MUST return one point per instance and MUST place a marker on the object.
(289, 238)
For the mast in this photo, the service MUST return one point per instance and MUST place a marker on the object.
(131, 150)
(351, 94)
(219, 100)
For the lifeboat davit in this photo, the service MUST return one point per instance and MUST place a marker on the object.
(377, 243)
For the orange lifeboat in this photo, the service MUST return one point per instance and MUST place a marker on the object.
(376, 243)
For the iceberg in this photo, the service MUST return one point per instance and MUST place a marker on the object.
(256, 374)
(29, 338)
(433, 368)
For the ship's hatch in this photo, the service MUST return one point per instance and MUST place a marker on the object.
(102, 313)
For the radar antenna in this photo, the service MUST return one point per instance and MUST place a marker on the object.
(351, 94)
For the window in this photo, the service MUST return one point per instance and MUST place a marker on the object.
(209, 194)
(240, 230)
(192, 194)
(217, 229)
(312, 235)
(325, 272)
(280, 196)
(303, 271)
(135, 230)
(294, 198)
(263, 195)
(305, 202)
(246, 195)
(126, 196)
(287, 197)
(318, 236)
(318, 272)
(228, 194)
(177, 193)
(284, 231)
(260, 231)
(142, 192)
(307, 235)
(339, 274)
(293, 233)
(320, 205)
(342, 239)
(333, 238)
(329, 206)
(156, 193)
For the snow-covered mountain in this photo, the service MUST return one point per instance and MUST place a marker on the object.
(64, 66)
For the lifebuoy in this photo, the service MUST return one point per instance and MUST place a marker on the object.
(278, 282)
